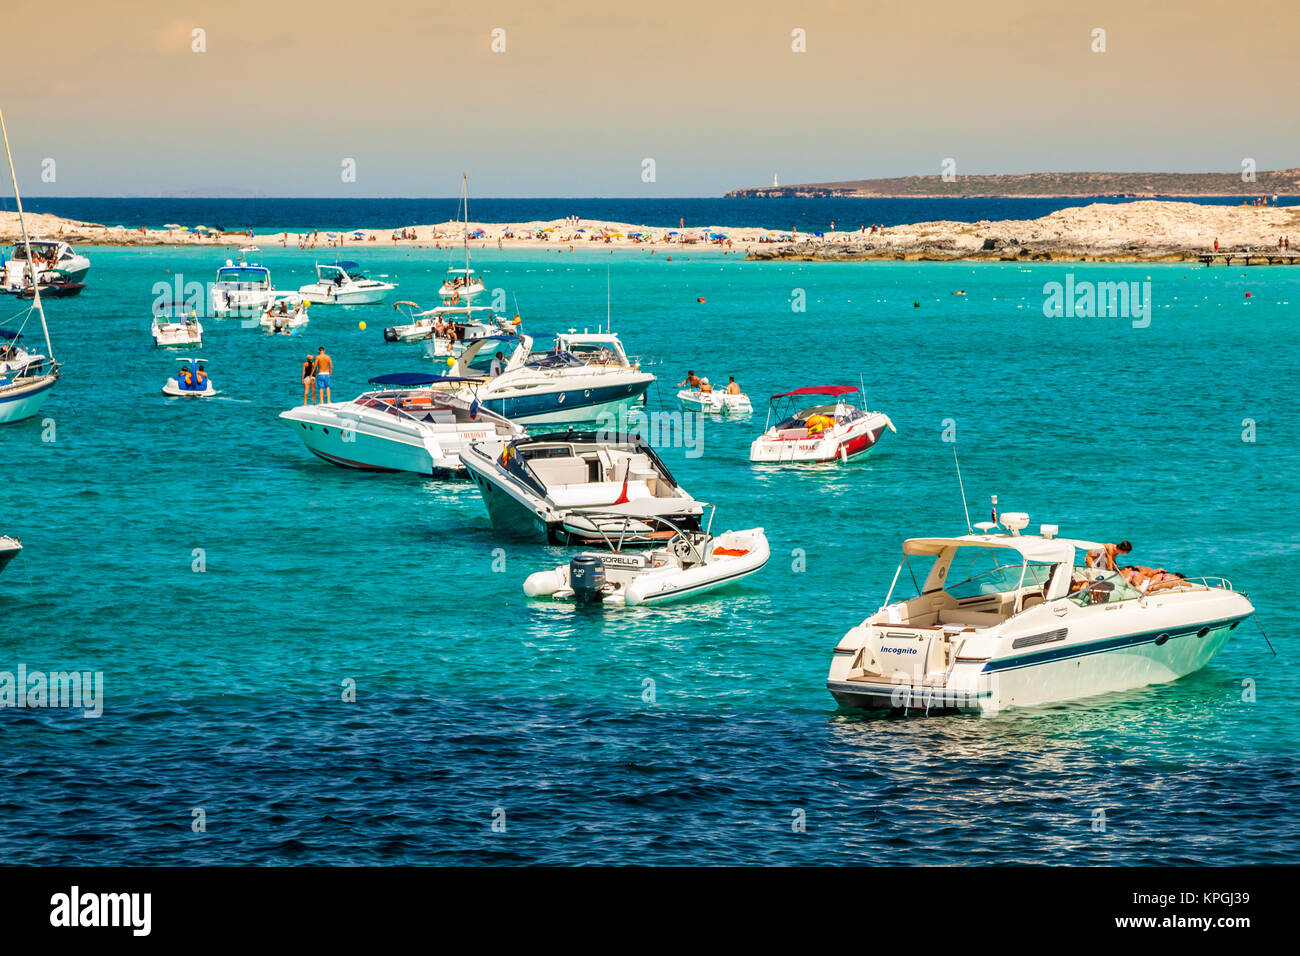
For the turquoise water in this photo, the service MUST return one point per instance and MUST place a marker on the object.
(223, 688)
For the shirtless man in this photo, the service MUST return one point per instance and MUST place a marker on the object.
(732, 387)
(691, 379)
(324, 368)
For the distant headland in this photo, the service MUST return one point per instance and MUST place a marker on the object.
(1281, 182)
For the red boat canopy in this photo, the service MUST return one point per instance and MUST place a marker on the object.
(820, 390)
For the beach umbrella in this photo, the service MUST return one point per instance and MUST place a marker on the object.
(172, 225)
(358, 232)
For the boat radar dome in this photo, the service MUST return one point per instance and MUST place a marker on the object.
(1015, 521)
(1048, 530)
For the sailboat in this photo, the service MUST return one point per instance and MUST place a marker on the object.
(462, 285)
(23, 390)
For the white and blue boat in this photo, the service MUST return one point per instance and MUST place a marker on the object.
(585, 377)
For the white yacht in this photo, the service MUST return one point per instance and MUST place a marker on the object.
(401, 426)
(179, 330)
(241, 290)
(24, 389)
(575, 487)
(10, 548)
(1002, 619)
(343, 283)
(585, 377)
(54, 259)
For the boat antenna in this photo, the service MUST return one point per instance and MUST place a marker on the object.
(27, 243)
(608, 324)
(962, 485)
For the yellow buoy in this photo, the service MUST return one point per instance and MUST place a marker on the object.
(361, 326)
(450, 361)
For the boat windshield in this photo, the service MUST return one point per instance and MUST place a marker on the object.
(42, 250)
(1002, 578)
(243, 276)
(1095, 586)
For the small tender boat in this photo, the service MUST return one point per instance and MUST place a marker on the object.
(818, 433)
(10, 548)
(572, 487)
(179, 330)
(56, 287)
(190, 381)
(54, 259)
(285, 315)
(706, 401)
(241, 289)
(402, 426)
(16, 359)
(692, 563)
(461, 286)
(1010, 620)
(343, 283)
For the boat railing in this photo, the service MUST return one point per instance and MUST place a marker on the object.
(1212, 581)
(625, 526)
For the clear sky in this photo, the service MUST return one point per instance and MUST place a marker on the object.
(712, 91)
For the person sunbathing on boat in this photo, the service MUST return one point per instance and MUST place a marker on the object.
(1148, 580)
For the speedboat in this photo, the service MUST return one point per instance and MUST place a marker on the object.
(692, 563)
(574, 487)
(179, 330)
(468, 322)
(343, 283)
(402, 426)
(586, 377)
(241, 289)
(1004, 619)
(54, 260)
(10, 548)
(53, 287)
(190, 381)
(828, 431)
(285, 314)
(707, 401)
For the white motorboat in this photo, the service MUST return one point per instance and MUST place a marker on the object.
(572, 487)
(285, 315)
(402, 426)
(1011, 620)
(343, 283)
(444, 325)
(191, 381)
(54, 261)
(24, 387)
(586, 377)
(834, 431)
(178, 330)
(707, 401)
(10, 548)
(462, 284)
(241, 289)
(692, 563)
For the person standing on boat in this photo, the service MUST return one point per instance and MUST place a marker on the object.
(324, 368)
(308, 378)
(691, 379)
(498, 365)
(1104, 557)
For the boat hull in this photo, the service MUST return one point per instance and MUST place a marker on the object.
(370, 296)
(24, 402)
(836, 447)
(361, 450)
(568, 406)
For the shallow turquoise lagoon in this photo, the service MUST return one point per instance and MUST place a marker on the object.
(686, 734)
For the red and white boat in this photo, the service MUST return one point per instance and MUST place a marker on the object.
(804, 432)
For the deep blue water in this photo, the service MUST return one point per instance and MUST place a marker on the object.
(223, 688)
(303, 214)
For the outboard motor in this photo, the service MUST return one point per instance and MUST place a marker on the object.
(390, 334)
(587, 578)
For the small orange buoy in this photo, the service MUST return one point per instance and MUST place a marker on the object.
(1247, 295)
(700, 299)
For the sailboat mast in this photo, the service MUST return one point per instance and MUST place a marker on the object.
(464, 191)
(27, 244)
